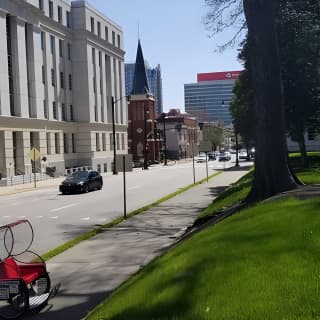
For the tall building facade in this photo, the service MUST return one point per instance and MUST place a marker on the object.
(61, 63)
(209, 99)
(154, 81)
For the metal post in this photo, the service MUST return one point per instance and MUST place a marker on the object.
(145, 156)
(237, 151)
(194, 173)
(124, 189)
(114, 169)
(207, 166)
(34, 168)
(165, 141)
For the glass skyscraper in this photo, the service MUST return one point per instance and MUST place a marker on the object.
(209, 99)
(154, 81)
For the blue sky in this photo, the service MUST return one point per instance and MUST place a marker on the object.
(172, 34)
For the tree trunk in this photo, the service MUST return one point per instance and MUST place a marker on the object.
(272, 174)
(303, 150)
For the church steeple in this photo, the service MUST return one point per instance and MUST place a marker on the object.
(140, 81)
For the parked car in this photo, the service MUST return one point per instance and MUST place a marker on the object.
(201, 158)
(243, 155)
(81, 181)
(212, 156)
(224, 156)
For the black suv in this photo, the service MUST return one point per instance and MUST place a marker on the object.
(81, 181)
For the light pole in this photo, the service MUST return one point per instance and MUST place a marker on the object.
(237, 151)
(165, 141)
(113, 102)
(145, 160)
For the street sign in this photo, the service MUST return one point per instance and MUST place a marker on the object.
(127, 162)
(34, 154)
(205, 146)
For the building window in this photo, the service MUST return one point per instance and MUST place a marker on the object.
(45, 110)
(54, 110)
(118, 142)
(48, 142)
(93, 56)
(100, 59)
(99, 168)
(69, 51)
(99, 28)
(70, 82)
(41, 4)
(52, 44)
(92, 24)
(105, 167)
(60, 48)
(106, 33)
(97, 142)
(61, 80)
(68, 19)
(96, 113)
(63, 110)
(53, 79)
(113, 38)
(43, 75)
(43, 40)
(71, 112)
(57, 142)
(50, 9)
(104, 142)
(111, 141)
(65, 143)
(122, 141)
(73, 141)
(59, 14)
(119, 41)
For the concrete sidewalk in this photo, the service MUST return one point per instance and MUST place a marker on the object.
(90, 271)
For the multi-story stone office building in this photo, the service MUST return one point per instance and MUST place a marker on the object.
(61, 62)
(209, 99)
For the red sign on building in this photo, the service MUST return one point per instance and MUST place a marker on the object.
(225, 75)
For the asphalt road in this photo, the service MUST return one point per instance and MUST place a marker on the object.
(58, 218)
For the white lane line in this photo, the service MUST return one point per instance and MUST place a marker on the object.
(64, 207)
(55, 217)
(135, 187)
(22, 217)
(38, 217)
(85, 219)
(6, 217)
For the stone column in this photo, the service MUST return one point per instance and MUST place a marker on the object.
(4, 77)
(18, 42)
(34, 66)
(6, 154)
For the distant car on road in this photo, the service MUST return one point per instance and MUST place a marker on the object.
(212, 156)
(224, 156)
(81, 181)
(201, 158)
(243, 155)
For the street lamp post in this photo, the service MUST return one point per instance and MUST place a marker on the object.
(114, 169)
(165, 141)
(113, 102)
(237, 151)
(145, 162)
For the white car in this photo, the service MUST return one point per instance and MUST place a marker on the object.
(201, 158)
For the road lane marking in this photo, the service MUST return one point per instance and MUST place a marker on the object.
(6, 217)
(39, 217)
(85, 219)
(64, 207)
(55, 217)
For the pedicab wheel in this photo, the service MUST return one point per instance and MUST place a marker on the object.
(15, 306)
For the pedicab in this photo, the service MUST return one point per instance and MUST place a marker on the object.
(24, 279)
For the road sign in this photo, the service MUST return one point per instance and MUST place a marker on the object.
(34, 154)
(205, 146)
(126, 165)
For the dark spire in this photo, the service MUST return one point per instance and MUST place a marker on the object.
(140, 81)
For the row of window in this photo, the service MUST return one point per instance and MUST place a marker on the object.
(101, 145)
(53, 78)
(65, 115)
(106, 33)
(69, 145)
(59, 12)
(53, 45)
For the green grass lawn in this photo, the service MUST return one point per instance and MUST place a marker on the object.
(263, 263)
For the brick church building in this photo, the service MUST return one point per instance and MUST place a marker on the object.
(143, 135)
